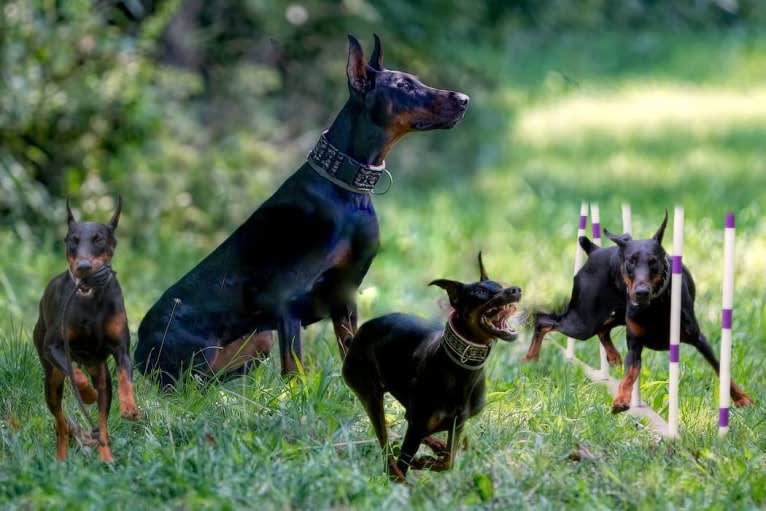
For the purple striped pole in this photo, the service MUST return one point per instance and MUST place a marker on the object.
(726, 317)
(595, 218)
(570, 352)
(675, 320)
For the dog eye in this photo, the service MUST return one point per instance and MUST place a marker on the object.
(96, 239)
(405, 85)
(74, 240)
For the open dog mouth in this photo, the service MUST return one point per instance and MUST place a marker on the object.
(496, 320)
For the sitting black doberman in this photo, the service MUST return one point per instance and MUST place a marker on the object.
(302, 254)
(436, 374)
(645, 269)
(596, 307)
(82, 319)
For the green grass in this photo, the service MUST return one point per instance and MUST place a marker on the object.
(261, 442)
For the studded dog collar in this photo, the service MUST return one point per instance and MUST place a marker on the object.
(332, 164)
(466, 354)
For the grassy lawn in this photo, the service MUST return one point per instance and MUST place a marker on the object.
(654, 120)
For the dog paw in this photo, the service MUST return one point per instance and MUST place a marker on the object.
(615, 360)
(131, 413)
(394, 474)
(436, 445)
(105, 453)
(743, 400)
(618, 407)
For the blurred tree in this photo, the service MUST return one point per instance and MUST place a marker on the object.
(196, 106)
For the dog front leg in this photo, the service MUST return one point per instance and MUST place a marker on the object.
(412, 439)
(289, 332)
(128, 408)
(54, 391)
(103, 381)
(632, 370)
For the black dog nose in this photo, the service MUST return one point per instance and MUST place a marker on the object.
(461, 98)
(83, 265)
(515, 291)
(642, 291)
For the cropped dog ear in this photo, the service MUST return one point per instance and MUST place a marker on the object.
(661, 231)
(619, 240)
(116, 216)
(376, 59)
(70, 217)
(452, 287)
(482, 271)
(587, 244)
(358, 72)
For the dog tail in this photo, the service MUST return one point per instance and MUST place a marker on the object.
(587, 244)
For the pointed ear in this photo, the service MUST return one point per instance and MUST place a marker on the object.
(376, 59)
(452, 287)
(356, 68)
(70, 217)
(587, 244)
(620, 240)
(482, 271)
(661, 231)
(116, 216)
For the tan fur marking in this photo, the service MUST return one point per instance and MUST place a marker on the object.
(128, 408)
(87, 392)
(116, 325)
(635, 328)
(238, 353)
(61, 424)
(622, 399)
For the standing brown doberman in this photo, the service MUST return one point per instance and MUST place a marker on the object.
(82, 319)
(303, 253)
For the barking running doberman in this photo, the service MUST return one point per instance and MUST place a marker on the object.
(645, 269)
(82, 319)
(596, 307)
(303, 253)
(436, 374)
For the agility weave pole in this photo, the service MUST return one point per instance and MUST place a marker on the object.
(727, 307)
(570, 351)
(595, 219)
(627, 228)
(676, 282)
